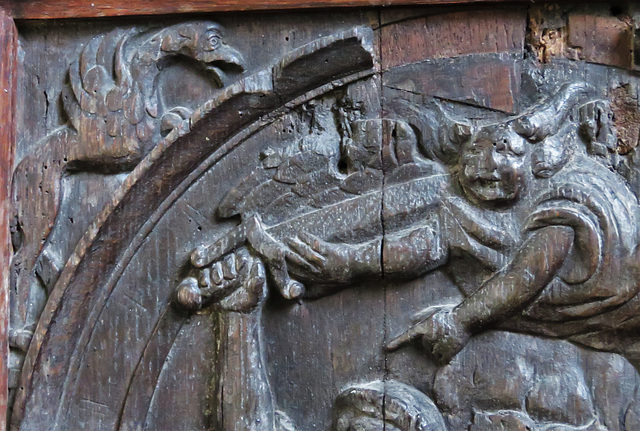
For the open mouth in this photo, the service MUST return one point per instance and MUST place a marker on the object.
(218, 70)
(488, 182)
(223, 65)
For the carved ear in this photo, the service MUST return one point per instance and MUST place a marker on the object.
(461, 133)
(525, 127)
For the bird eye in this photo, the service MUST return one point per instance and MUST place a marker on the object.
(212, 42)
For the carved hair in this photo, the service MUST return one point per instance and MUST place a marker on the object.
(546, 118)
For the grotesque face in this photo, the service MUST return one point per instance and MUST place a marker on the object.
(548, 157)
(492, 164)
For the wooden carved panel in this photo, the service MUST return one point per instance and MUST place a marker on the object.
(403, 219)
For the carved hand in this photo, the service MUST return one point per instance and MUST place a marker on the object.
(273, 251)
(236, 283)
(331, 263)
(310, 259)
(443, 336)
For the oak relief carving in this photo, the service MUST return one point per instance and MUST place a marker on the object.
(530, 200)
(335, 240)
(116, 114)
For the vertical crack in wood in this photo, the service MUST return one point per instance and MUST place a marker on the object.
(385, 328)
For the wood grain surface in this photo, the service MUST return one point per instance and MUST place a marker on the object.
(404, 217)
(42, 9)
(8, 44)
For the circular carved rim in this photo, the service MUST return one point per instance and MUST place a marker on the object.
(172, 166)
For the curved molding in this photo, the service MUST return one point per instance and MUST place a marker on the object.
(102, 254)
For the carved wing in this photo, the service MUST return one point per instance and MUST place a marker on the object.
(338, 188)
(103, 104)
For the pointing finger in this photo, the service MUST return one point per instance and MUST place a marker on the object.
(403, 338)
(305, 251)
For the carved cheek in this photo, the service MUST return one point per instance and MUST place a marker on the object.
(516, 178)
(469, 169)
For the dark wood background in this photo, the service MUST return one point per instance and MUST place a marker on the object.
(11, 10)
(44, 9)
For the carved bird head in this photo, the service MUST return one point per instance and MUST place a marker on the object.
(204, 42)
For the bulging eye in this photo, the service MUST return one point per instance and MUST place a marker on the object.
(501, 145)
(213, 41)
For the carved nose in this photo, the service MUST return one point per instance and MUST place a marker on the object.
(488, 167)
(489, 175)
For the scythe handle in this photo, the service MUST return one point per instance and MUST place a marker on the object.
(232, 240)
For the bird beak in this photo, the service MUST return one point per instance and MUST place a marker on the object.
(221, 61)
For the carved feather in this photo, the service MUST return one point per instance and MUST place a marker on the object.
(112, 98)
(301, 187)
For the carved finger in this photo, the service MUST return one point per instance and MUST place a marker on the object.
(229, 267)
(288, 288)
(314, 242)
(261, 241)
(404, 338)
(426, 313)
(257, 276)
(204, 280)
(243, 258)
(188, 294)
(253, 291)
(304, 250)
(302, 262)
(293, 289)
(216, 273)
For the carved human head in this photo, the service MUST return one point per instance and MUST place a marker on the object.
(492, 164)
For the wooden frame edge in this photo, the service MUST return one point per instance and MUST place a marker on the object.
(44, 9)
(8, 83)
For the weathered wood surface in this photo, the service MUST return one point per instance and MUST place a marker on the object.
(232, 224)
(8, 79)
(42, 9)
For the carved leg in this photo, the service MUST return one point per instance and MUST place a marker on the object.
(241, 394)
(242, 398)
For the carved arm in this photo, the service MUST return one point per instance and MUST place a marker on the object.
(533, 267)
(411, 253)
